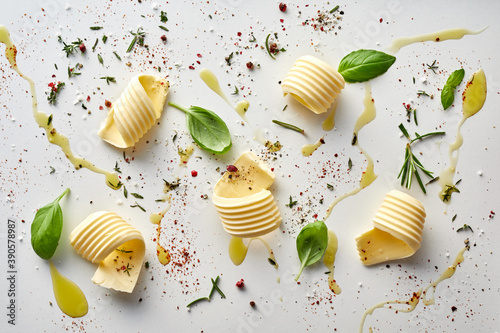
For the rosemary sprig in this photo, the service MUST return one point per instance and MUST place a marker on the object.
(432, 67)
(71, 47)
(138, 206)
(127, 269)
(163, 17)
(137, 195)
(138, 38)
(108, 79)
(117, 168)
(55, 88)
(162, 27)
(95, 28)
(291, 203)
(289, 126)
(411, 164)
(236, 91)
(73, 71)
(421, 92)
(124, 251)
(449, 190)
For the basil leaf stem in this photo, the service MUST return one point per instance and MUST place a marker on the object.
(47, 227)
(364, 65)
(208, 130)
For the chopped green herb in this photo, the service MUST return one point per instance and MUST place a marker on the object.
(162, 27)
(95, 44)
(139, 36)
(54, 92)
(52, 170)
(432, 67)
(138, 206)
(446, 196)
(409, 110)
(146, 264)
(284, 108)
(163, 16)
(334, 9)
(117, 56)
(55, 65)
(228, 59)
(289, 126)
(236, 91)
(95, 28)
(271, 261)
(252, 38)
(109, 79)
(125, 192)
(464, 228)
(125, 158)
(137, 195)
(127, 269)
(70, 48)
(422, 93)
(214, 287)
(124, 251)
(49, 121)
(291, 203)
(454, 218)
(349, 164)
(117, 168)
(104, 39)
(329, 186)
(99, 57)
(73, 71)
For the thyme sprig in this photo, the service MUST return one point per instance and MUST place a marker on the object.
(214, 287)
(55, 88)
(449, 190)
(411, 164)
(109, 79)
(432, 67)
(291, 203)
(73, 71)
(464, 228)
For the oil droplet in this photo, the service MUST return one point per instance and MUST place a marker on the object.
(329, 261)
(329, 122)
(156, 218)
(309, 149)
(185, 154)
(43, 120)
(368, 177)
(69, 297)
(211, 81)
(163, 254)
(438, 36)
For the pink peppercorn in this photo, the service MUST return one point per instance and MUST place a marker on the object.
(240, 284)
(82, 48)
(232, 168)
(282, 6)
(194, 173)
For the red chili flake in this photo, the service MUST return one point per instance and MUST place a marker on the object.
(88, 98)
(163, 38)
(281, 20)
(239, 34)
(194, 173)
(51, 84)
(240, 284)
(82, 48)
(249, 65)
(199, 55)
(107, 103)
(232, 168)
(100, 107)
(381, 20)
(191, 67)
(282, 6)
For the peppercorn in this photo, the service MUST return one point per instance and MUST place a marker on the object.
(163, 38)
(282, 6)
(252, 304)
(232, 168)
(82, 48)
(240, 284)
(249, 65)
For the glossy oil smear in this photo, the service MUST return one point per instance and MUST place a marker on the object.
(238, 250)
(69, 296)
(42, 119)
(437, 36)
(308, 149)
(473, 99)
(329, 261)
(411, 304)
(211, 81)
(367, 116)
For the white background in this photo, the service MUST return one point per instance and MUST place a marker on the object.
(210, 28)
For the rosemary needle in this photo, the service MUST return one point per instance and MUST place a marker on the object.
(289, 126)
(197, 300)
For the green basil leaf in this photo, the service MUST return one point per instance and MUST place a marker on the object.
(447, 96)
(46, 228)
(364, 65)
(311, 244)
(208, 130)
(456, 78)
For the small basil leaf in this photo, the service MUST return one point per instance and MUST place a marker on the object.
(456, 77)
(208, 130)
(364, 65)
(311, 244)
(447, 96)
(46, 228)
